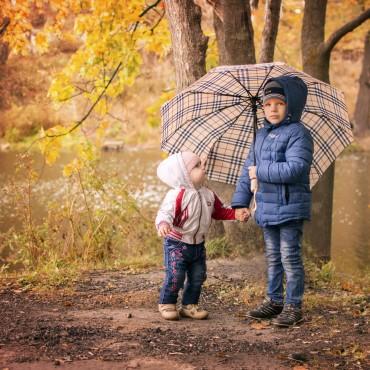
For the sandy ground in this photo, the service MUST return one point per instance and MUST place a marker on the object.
(109, 320)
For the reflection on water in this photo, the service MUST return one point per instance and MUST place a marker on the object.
(351, 217)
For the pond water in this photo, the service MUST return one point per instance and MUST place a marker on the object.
(351, 216)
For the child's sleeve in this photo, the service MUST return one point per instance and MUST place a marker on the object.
(243, 194)
(298, 159)
(220, 212)
(166, 212)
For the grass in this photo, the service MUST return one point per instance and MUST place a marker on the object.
(218, 248)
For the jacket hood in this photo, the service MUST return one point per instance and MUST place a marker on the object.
(172, 171)
(295, 91)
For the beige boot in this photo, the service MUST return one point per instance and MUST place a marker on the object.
(168, 311)
(193, 311)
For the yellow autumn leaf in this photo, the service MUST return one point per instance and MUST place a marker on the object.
(153, 110)
(50, 148)
(41, 42)
(68, 170)
(73, 167)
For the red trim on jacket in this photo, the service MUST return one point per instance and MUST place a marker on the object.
(220, 212)
(174, 235)
(180, 216)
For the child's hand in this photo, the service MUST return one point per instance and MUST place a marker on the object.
(242, 214)
(252, 172)
(163, 229)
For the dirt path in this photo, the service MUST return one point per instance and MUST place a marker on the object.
(109, 321)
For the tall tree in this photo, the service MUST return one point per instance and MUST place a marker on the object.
(234, 31)
(315, 58)
(315, 50)
(270, 30)
(362, 110)
(189, 44)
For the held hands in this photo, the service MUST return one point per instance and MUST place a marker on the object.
(242, 214)
(163, 229)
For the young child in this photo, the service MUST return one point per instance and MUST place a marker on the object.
(183, 220)
(284, 150)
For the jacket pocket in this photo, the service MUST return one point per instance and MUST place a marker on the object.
(285, 193)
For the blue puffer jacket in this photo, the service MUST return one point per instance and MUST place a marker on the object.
(283, 159)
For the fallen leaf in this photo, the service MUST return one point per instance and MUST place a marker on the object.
(259, 325)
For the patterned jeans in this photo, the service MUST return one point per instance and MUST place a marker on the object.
(283, 253)
(182, 261)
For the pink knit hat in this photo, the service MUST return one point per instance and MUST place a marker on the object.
(190, 160)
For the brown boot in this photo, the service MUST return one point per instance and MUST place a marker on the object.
(168, 311)
(193, 311)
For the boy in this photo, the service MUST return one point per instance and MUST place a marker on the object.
(183, 220)
(283, 150)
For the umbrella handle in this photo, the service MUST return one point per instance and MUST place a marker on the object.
(254, 188)
(254, 185)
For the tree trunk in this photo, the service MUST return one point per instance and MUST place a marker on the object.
(4, 52)
(318, 231)
(315, 59)
(313, 33)
(270, 30)
(362, 110)
(234, 31)
(189, 45)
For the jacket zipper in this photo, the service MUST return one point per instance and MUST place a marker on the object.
(260, 151)
(200, 216)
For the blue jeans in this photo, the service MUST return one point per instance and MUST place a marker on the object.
(183, 260)
(284, 254)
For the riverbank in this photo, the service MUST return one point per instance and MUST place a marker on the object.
(108, 320)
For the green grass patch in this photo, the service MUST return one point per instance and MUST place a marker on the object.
(218, 248)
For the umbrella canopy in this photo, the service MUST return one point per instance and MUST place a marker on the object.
(216, 115)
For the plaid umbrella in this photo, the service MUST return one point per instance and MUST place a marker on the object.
(217, 117)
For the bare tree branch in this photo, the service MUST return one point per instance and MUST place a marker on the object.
(79, 123)
(348, 27)
(157, 23)
(146, 10)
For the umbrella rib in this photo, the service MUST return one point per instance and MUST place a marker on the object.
(247, 91)
(264, 80)
(228, 126)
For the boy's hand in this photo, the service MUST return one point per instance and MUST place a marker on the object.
(252, 172)
(242, 214)
(163, 229)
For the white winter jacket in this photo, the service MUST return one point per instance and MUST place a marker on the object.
(187, 210)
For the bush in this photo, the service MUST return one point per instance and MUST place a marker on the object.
(96, 223)
(19, 122)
